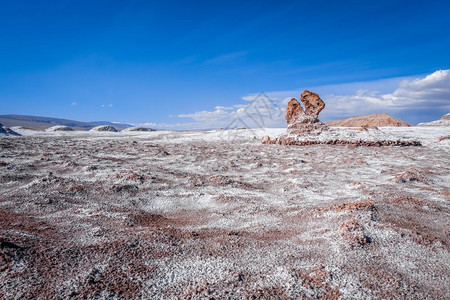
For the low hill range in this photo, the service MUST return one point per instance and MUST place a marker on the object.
(42, 123)
(373, 120)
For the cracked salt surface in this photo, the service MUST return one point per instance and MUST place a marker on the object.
(218, 214)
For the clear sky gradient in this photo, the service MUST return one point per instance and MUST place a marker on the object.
(152, 61)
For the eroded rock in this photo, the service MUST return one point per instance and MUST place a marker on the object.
(312, 102)
(293, 110)
(303, 121)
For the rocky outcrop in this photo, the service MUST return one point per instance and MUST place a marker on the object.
(312, 102)
(293, 110)
(369, 121)
(6, 131)
(303, 122)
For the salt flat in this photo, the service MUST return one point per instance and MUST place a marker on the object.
(219, 214)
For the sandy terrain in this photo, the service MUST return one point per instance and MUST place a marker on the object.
(103, 215)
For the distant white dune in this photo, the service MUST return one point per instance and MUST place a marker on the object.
(59, 128)
(104, 128)
(137, 129)
(427, 135)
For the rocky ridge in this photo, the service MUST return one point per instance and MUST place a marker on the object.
(369, 121)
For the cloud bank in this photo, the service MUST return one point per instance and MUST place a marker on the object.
(413, 99)
(431, 92)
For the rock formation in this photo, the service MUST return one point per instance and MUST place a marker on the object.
(312, 102)
(369, 121)
(304, 128)
(301, 122)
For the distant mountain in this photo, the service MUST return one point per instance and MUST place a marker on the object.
(444, 121)
(373, 120)
(41, 123)
(117, 125)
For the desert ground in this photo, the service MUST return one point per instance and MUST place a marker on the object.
(219, 215)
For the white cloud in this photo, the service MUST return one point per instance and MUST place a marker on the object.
(224, 107)
(248, 98)
(431, 92)
(262, 112)
(74, 103)
(399, 96)
(107, 105)
(434, 88)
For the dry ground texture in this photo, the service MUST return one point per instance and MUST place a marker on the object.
(165, 215)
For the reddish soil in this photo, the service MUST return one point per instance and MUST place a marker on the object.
(161, 216)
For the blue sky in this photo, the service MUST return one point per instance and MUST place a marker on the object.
(166, 62)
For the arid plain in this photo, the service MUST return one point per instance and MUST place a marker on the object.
(220, 215)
